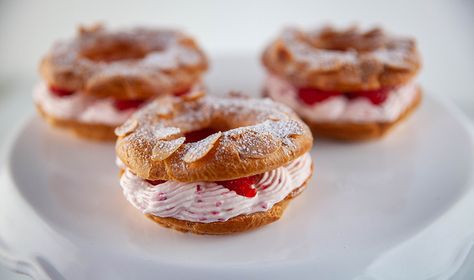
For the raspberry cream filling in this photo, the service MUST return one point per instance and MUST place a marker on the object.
(80, 107)
(341, 109)
(208, 202)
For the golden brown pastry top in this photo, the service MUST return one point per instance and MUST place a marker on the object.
(135, 63)
(342, 59)
(254, 136)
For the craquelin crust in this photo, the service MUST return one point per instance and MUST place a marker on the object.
(257, 136)
(234, 225)
(97, 132)
(342, 59)
(125, 64)
(360, 131)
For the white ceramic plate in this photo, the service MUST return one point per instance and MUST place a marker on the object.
(62, 214)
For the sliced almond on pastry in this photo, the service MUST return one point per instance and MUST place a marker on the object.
(165, 148)
(199, 149)
(165, 132)
(193, 95)
(128, 127)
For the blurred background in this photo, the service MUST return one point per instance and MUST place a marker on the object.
(444, 31)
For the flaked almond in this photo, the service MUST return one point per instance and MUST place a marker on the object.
(164, 149)
(288, 143)
(193, 95)
(238, 94)
(165, 132)
(164, 108)
(84, 29)
(199, 149)
(274, 117)
(397, 65)
(128, 127)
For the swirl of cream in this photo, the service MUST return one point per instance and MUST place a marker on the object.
(339, 108)
(208, 202)
(80, 107)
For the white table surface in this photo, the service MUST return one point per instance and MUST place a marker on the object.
(444, 30)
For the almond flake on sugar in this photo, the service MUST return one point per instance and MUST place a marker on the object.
(201, 148)
(164, 132)
(163, 109)
(274, 118)
(288, 142)
(128, 127)
(193, 116)
(193, 95)
(91, 28)
(238, 94)
(164, 149)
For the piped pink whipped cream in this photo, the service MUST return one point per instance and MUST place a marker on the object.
(208, 202)
(80, 107)
(341, 109)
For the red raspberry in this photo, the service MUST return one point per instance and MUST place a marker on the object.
(155, 182)
(312, 96)
(243, 186)
(123, 105)
(377, 96)
(60, 92)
